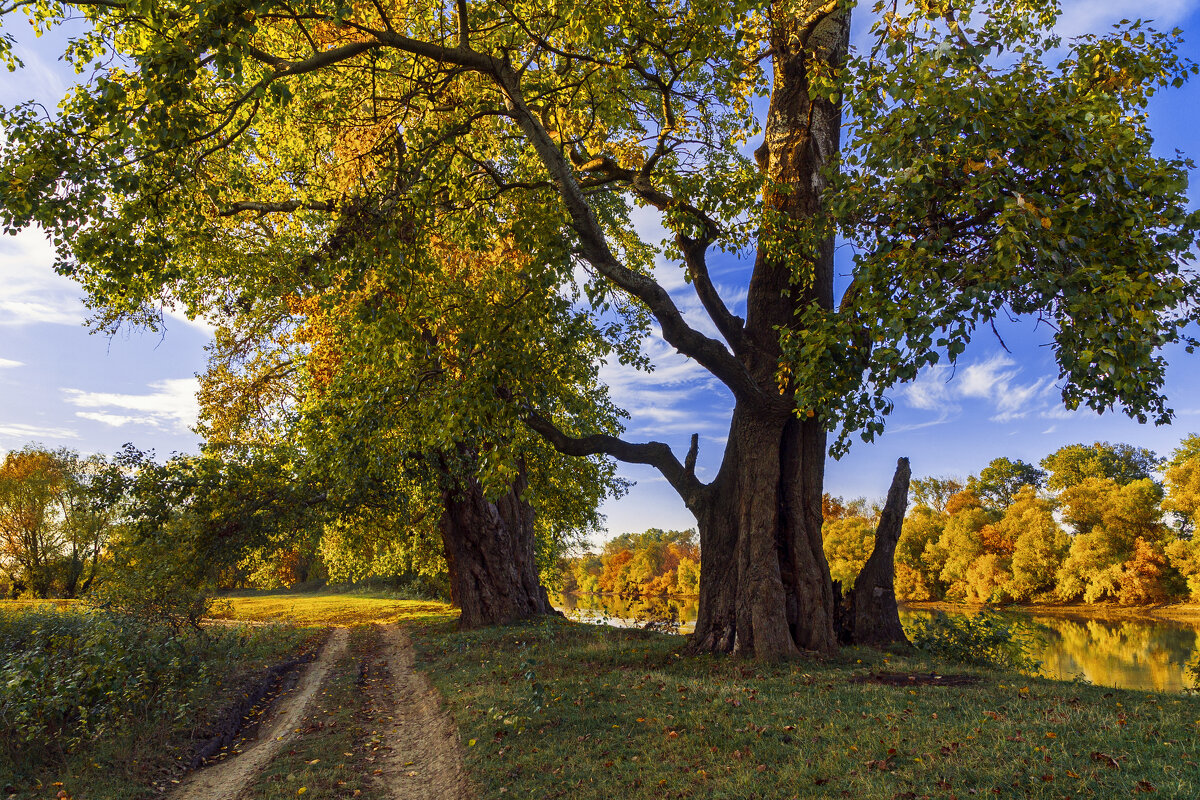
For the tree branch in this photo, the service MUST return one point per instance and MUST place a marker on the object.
(655, 454)
(731, 326)
(710, 353)
(268, 208)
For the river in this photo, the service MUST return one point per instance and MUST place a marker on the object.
(1138, 653)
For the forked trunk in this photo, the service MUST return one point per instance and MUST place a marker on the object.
(491, 555)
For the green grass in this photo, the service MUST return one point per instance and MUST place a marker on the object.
(331, 608)
(330, 758)
(556, 709)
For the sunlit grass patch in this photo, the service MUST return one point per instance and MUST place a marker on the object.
(331, 608)
(559, 709)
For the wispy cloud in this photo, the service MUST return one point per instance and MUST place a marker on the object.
(171, 405)
(664, 401)
(17, 430)
(8, 363)
(993, 381)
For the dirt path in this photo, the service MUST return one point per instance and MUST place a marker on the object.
(424, 761)
(227, 779)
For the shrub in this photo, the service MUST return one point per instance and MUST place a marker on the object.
(986, 640)
(71, 677)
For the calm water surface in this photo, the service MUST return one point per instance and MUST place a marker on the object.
(1131, 654)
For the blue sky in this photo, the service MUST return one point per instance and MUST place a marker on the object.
(61, 386)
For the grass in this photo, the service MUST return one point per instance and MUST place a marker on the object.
(331, 608)
(555, 709)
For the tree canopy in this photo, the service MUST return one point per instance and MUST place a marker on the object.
(371, 157)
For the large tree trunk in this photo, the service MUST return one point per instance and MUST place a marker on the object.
(765, 588)
(490, 551)
(764, 582)
(871, 613)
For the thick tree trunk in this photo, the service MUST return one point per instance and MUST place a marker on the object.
(871, 614)
(490, 551)
(764, 582)
(765, 588)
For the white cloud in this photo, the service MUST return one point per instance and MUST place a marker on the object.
(8, 363)
(984, 378)
(931, 391)
(664, 401)
(17, 430)
(30, 291)
(993, 381)
(170, 406)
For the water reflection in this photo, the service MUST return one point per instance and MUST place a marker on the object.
(668, 614)
(1131, 654)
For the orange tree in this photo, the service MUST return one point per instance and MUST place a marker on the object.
(982, 173)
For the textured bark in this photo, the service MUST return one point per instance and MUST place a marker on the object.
(764, 582)
(490, 552)
(872, 616)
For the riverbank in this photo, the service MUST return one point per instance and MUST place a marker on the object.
(553, 708)
(1186, 613)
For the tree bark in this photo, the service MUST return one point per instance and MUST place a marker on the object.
(490, 552)
(765, 587)
(871, 614)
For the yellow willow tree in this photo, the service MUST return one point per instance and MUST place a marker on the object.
(986, 168)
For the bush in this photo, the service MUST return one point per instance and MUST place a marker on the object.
(70, 678)
(986, 640)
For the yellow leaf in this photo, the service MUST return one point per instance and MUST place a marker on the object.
(471, 743)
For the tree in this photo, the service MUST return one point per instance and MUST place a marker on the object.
(848, 544)
(1041, 546)
(933, 493)
(962, 542)
(1117, 550)
(30, 481)
(919, 559)
(1182, 478)
(1070, 465)
(57, 510)
(239, 151)
(999, 482)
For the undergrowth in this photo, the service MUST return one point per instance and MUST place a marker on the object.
(104, 704)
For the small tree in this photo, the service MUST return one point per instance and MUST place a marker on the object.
(1182, 478)
(998, 483)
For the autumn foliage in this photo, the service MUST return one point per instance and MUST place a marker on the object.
(655, 562)
(1107, 531)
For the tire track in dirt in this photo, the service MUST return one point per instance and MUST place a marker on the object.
(422, 759)
(227, 779)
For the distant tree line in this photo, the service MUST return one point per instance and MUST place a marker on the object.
(655, 562)
(1092, 523)
(56, 516)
